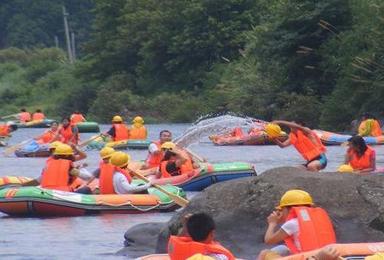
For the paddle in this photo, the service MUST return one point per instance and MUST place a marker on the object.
(89, 140)
(177, 199)
(8, 116)
(13, 148)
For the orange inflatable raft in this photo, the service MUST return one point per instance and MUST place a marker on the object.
(348, 251)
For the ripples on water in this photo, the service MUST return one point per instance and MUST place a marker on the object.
(101, 236)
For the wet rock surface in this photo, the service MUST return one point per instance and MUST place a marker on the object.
(240, 208)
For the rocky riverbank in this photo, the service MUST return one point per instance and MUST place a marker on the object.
(240, 209)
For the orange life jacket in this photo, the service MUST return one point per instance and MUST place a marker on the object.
(376, 129)
(67, 134)
(154, 160)
(138, 133)
(370, 127)
(237, 132)
(364, 161)
(75, 183)
(106, 178)
(180, 248)
(24, 117)
(77, 118)
(56, 175)
(305, 146)
(4, 130)
(38, 116)
(185, 168)
(121, 132)
(47, 137)
(315, 229)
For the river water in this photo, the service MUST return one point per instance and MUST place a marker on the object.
(99, 237)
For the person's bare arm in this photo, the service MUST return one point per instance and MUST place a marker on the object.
(293, 125)
(271, 236)
(282, 144)
(79, 154)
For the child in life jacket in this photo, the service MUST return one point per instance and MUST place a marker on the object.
(175, 162)
(303, 227)
(198, 238)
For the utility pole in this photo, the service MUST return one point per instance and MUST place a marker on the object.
(56, 41)
(73, 46)
(65, 14)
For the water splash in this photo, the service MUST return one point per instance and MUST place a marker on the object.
(216, 125)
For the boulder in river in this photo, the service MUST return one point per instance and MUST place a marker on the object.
(240, 207)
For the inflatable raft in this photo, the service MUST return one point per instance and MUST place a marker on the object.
(45, 123)
(39, 202)
(209, 174)
(33, 149)
(329, 138)
(88, 127)
(7, 181)
(259, 138)
(348, 251)
(99, 143)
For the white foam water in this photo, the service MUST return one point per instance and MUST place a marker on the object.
(216, 125)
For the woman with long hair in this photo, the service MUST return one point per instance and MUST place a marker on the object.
(360, 156)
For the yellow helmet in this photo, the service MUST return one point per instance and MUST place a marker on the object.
(54, 144)
(63, 149)
(273, 130)
(120, 159)
(138, 120)
(295, 198)
(347, 168)
(117, 119)
(168, 145)
(106, 152)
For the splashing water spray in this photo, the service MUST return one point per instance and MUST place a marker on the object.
(206, 126)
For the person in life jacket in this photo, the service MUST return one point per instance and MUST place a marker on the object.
(59, 172)
(6, 130)
(138, 130)
(76, 118)
(303, 227)
(71, 153)
(175, 162)
(24, 116)
(105, 171)
(68, 134)
(306, 142)
(120, 181)
(49, 135)
(119, 131)
(198, 238)
(360, 156)
(369, 126)
(155, 154)
(38, 115)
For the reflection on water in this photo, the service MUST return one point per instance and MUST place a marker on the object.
(101, 236)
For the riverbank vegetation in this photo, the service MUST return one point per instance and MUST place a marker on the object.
(317, 61)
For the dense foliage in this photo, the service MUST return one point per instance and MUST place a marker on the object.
(172, 60)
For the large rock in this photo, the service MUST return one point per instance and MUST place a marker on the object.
(240, 207)
(141, 239)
